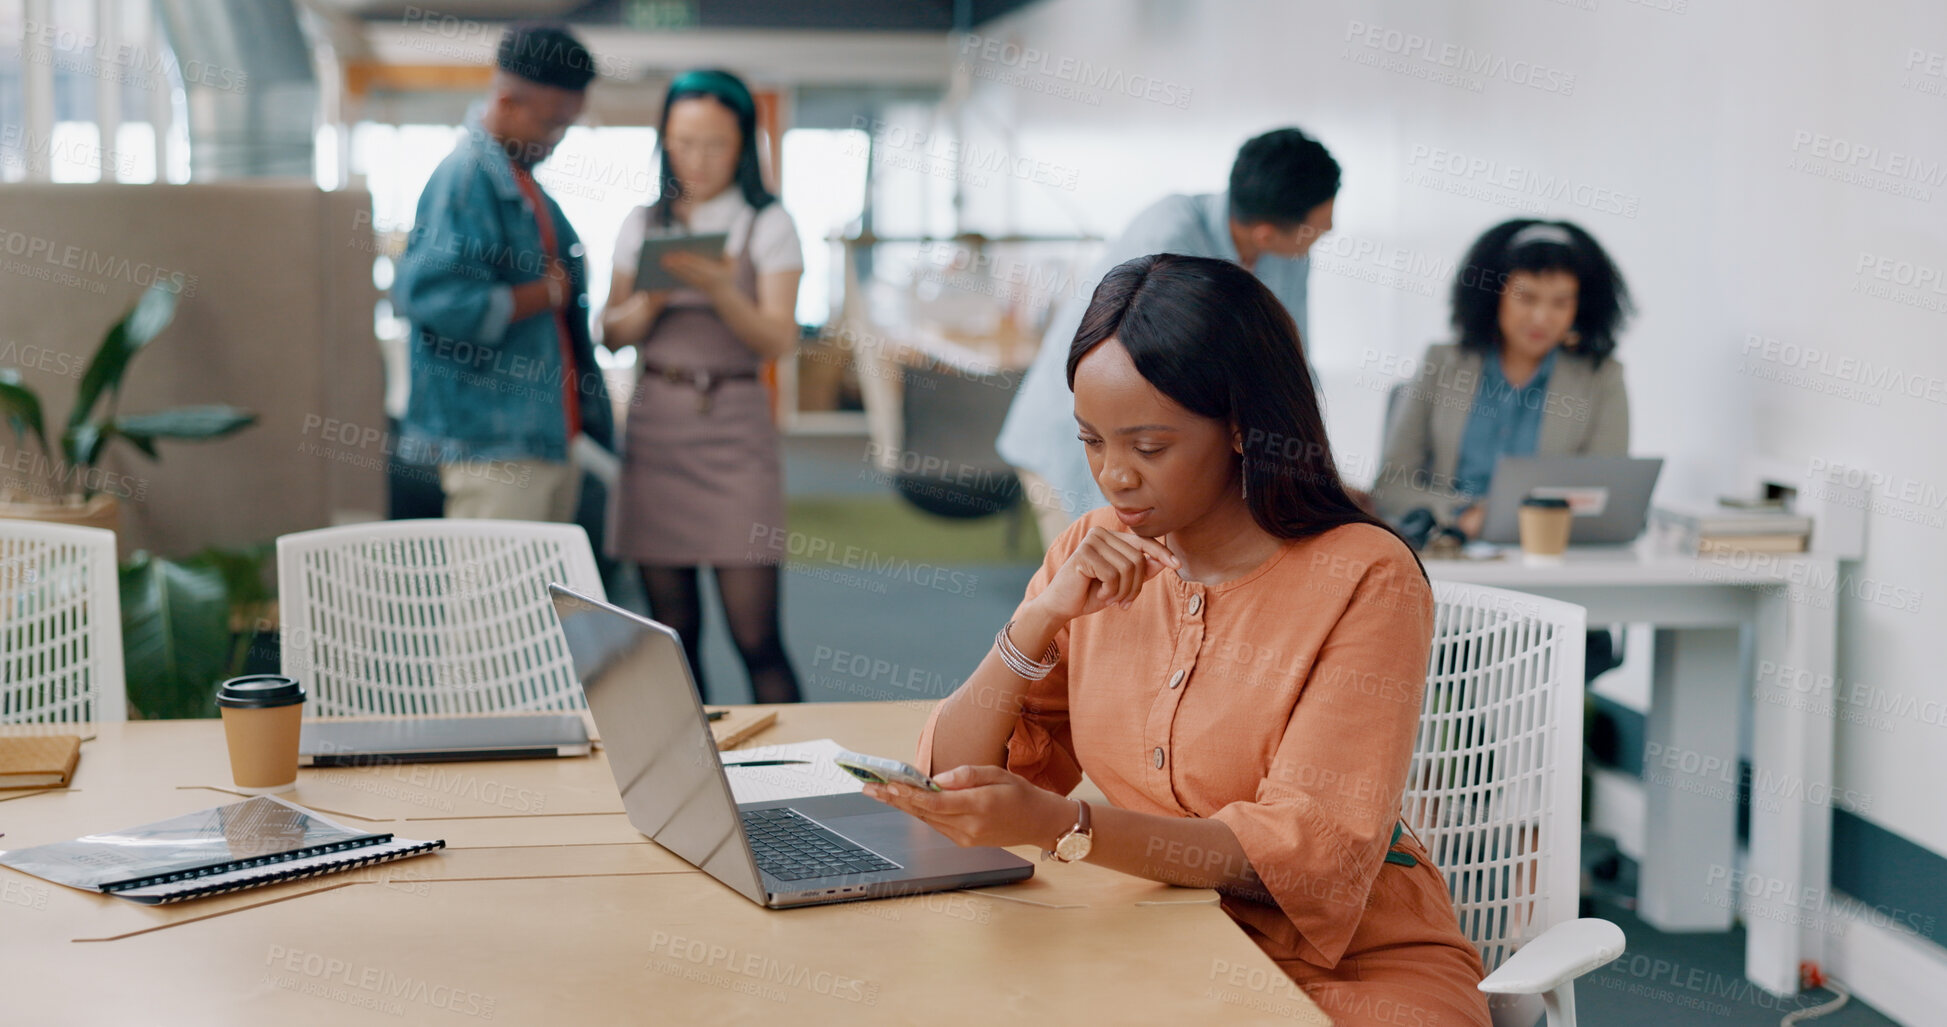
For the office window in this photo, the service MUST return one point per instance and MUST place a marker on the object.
(395, 161)
(74, 148)
(61, 48)
(324, 156)
(148, 77)
(133, 68)
(824, 192)
(76, 152)
(135, 152)
(913, 179)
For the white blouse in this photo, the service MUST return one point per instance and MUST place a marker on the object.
(774, 242)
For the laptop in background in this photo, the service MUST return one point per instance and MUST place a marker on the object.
(1609, 495)
(356, 743)
(779, 854)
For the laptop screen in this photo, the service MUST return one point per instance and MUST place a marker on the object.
(657, 739)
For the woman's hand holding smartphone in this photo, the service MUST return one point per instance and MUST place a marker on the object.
(877, 770)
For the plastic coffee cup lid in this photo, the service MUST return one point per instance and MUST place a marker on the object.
(1546, 502)
(260, 691)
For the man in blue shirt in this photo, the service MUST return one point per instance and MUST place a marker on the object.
(503, 371)
(1280, 201)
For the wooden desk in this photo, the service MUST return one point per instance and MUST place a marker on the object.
(547, 907)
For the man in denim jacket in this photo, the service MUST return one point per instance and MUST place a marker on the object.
(503, 370)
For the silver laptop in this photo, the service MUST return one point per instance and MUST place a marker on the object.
(1610, 495)
(330, 742)
(792, 852)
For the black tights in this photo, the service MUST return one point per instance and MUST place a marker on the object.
(750, 604)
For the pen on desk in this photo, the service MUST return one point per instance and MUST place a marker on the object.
(764, 763)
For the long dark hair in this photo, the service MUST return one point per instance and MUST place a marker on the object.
(1602, 303)
(730, 91)
(1210, 336)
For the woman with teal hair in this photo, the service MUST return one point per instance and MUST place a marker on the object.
(702, 483)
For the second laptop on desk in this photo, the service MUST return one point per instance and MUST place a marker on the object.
(1609, 495)
(778, 853)
(351, 742)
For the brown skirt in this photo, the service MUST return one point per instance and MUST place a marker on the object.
(701, 488)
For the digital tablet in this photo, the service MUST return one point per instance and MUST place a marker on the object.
(650, 275)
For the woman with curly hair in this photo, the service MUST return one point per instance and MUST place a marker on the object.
(1537, 306)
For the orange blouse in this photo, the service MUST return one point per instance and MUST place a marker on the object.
(1284, 703)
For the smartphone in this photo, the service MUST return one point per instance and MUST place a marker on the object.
(877, 770)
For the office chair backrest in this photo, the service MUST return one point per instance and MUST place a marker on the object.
(951, 419)
(432, 616)
(1495, 788)
(60, 625)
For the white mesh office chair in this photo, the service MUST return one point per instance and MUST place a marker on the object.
(60, 625)
(431, 616)
(1495, 792)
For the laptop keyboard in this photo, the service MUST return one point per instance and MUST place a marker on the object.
(792, 847)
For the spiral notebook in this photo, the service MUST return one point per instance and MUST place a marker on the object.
(246, 844)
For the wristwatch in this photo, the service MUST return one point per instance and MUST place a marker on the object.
(1073, 845)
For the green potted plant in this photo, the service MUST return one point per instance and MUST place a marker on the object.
(189, 624)
(66, 483)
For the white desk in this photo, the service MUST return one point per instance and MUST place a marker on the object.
(1704, 610)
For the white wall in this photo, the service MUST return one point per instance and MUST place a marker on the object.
(1689, 117)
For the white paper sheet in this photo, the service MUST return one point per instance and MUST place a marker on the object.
(820, 776)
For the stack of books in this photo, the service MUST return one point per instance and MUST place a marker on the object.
(1704, 529)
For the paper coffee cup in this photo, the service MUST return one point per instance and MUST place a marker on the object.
(262, 715)
(1545, 525)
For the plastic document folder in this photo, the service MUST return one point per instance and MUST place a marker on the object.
(228, 848)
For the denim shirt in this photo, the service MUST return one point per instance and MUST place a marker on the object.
(486, 387)
(1504, 421)
(1040, 432)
